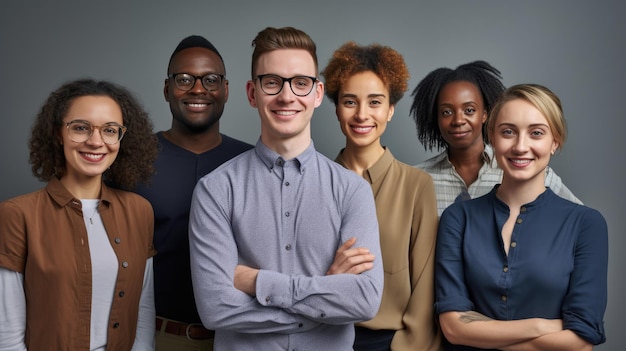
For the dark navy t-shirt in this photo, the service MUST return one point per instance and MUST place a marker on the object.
(169, 192)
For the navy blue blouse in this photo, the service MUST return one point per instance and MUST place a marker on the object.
(556, 266)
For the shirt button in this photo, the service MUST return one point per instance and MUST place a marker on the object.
(503, 298)
(124, 264)
(519, 220)
(287, 214)
(116, 325)
(513, 244)
(523, 209)
(286, 183)
(300, 325)
(323, 315)
(121, 294)
(288, 247)
(506, 269)
(118, 240)
(267, 299)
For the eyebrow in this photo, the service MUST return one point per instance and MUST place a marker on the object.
(369, 95)
(534, 125)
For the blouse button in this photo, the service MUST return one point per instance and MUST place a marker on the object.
(513, 244)
(286, 183)
(523, 209)
(121, 294)
(267, 299)
(506, 269)
(287, 214)
(116, 325)
(503, 297)
(125, 264)
(288, 247)
(118, 240)
(519, 220)
(300, 325)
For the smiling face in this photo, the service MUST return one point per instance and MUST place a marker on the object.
(90, 158)
(461, 114)
(523, 142)
(363, 109)
(197, 109)
(285, 116)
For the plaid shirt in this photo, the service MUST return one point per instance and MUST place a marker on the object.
(450, 187)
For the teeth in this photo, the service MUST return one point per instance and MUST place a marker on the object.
(362, 129)
(285, 113)
(521, 162)
(196, 105)
(94, 156)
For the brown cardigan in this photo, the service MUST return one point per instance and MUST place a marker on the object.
(43, 236)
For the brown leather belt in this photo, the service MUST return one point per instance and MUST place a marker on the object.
(192, 331)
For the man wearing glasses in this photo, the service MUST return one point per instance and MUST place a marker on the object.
(196, 90)
(267, 229)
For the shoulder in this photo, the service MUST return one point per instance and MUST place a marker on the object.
(129, 199)
(413, 171)
(433, 164)
(475, 208)
(238, 166)
(556, 206)
(22, 202)
(336, 170)
(233, 143)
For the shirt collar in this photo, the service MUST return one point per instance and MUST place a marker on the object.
(272, 159)
(377, 170)
(63, 197)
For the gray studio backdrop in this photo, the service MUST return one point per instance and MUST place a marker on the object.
(577, 48)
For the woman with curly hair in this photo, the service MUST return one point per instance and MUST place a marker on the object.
(450, 107)
(365, 83)
(76, 256)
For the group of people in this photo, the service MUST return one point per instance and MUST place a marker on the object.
(188, 239)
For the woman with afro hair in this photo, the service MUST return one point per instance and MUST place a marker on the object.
(450, 108)
(365, 83)
(76, 256)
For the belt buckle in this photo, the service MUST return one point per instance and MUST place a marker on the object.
(188, 329)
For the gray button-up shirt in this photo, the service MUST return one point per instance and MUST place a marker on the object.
(287, 218)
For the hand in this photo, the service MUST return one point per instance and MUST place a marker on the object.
(351, 260)
(245, 279)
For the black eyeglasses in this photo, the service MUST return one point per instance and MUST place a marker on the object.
(80, 131)
(186, 81)
(272, 84)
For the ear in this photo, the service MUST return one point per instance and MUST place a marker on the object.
(166, 94)
(225, 90)
(484, 119)
(250, 90)
(392, 109)
(319, 93)
(555, 146)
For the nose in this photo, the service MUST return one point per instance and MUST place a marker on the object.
(361, 112)
(95, 138)
(197, 87)
(521, 144)
(458, 118)
(286, 93)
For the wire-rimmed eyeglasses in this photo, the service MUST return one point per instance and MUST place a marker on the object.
(80, 131)
(272, 84)
(186, 81)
